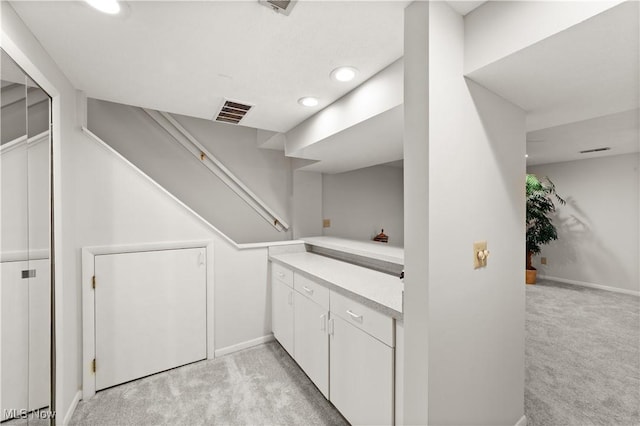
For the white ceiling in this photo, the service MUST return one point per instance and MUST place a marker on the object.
(564, 143)
(586, 71)
(184, 57)
(580, 87)
(464, 7)
(371, 142)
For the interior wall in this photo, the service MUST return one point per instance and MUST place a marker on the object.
(117, 206)
(27, 51)
(307, 204)
(266, 172)
(476, 167)
(362, 202)
(598, 233)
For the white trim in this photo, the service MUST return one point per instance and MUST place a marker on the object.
(24, 255)
(522, 421)
(591, 285)
(191, 144)
(244, 345)
(88, 299)
(72, 408)
(269, 244)
(23, 140)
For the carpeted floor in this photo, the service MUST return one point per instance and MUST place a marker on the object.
(257, 386)
(582, 356)
(582, 368)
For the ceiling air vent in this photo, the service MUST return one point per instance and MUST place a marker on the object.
(588, 151)
(280, 6)
(232, 112)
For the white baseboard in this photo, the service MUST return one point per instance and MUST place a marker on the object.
(244, 345)
(591, 285)
(522, 421)
(72, 408)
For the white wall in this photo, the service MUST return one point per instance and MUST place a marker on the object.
(307, 204)
(117, 206)
(362, 202)
(499, 28)
(598, 234)
(266, 172)
(475, 161)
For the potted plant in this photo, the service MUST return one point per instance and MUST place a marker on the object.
(540, 229)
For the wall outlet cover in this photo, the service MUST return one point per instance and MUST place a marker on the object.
(326, 223)
(479, 246)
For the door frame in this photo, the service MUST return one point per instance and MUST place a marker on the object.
(88, 299)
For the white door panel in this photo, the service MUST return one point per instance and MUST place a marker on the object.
(14, 371)
(150, 313)
(361, 375)
(311, 341)
(39, 334)
(282, 314)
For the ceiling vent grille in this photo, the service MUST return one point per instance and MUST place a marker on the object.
(280, 6)
(588, 151)
(232, 112)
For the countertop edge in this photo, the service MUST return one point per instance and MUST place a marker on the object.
(331, 286)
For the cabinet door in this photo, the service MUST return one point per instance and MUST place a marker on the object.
(282, 314)
(312, 341)
(361, 375)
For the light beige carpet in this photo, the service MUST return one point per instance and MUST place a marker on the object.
(257, 386)
(582, 356)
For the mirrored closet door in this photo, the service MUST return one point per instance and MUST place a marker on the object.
(25, 241)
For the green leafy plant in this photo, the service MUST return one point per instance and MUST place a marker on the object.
(540, 205)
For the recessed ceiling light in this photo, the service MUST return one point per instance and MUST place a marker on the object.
(344, 74)
(110, 7)
(308, 101)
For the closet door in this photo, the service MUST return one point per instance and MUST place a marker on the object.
(14, 242)
(150, 313)
(15, 338)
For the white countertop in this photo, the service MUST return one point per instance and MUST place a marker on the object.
(375, 289)
(371, 249)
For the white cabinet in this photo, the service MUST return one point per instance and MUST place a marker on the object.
(345, 347)
(312, 341)
(361, 375)
(282, 313)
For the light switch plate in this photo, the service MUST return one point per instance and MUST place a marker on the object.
(543, 260)
(326, 223)
(479, 246)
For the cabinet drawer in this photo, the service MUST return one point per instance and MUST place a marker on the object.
(281, 273)
(373, 322)
(312, 290)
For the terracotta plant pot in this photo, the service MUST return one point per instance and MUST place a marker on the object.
(531, 276)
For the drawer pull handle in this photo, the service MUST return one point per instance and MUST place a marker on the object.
(308, 290)
(355, 316)
(281, 275)
(323, 322)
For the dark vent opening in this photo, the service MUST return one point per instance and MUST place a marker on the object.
(587, 151)
(232, 112)
(280, 4)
